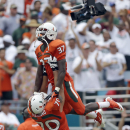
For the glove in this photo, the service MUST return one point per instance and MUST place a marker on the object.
(55, 93)
(53, 63)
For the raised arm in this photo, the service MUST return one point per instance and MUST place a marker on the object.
(99, 67)
(62, 98)
(110, 22)
(39, 78)
(76, 37)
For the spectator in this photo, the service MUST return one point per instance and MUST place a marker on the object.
(47, 15)
(7, 118)
(123, 14)
(10, 49)
(37, 7)
(11, 23)
(85, 73)
(1, 33)
(121, 38)
(26, 43)
(121, 125)
(24, 80)
(79, 32)
(72, 51)
(63, 24)
(96, 35)
(34, 15)
(55, 10)
(17, 34)
(5, 77)
(29, 123)
(20, 61)
(32, 25)
(103, 46)
(33, 46)
(115, 65)
(93, 54)
(122, 4)
(105, 20)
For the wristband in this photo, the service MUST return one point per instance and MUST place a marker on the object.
(57, 89)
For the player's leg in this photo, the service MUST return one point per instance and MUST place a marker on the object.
(89, 110)
(72, 98)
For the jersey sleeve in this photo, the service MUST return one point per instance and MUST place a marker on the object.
(60, 51)
(53, 104)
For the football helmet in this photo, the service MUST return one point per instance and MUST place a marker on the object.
(46, 29)
(36, 103)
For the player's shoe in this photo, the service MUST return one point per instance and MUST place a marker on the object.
(114, 105)
(99, 118)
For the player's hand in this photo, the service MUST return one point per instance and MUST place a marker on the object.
(53, 63)
(55, 93)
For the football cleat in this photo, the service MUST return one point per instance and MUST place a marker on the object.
(114, 105)
(99, 118)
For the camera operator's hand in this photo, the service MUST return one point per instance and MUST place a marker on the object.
(90, 22)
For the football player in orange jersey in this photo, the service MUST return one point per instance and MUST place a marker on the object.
(51, 55)
(49, 114)
(2, 127)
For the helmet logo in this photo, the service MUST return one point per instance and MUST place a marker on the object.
(53, 28)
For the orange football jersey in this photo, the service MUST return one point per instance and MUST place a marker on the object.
(56, 48)
(2, 126)
(51, 118)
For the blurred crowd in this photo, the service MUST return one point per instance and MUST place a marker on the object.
(97, 50)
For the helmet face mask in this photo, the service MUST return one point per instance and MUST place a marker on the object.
(46, 31)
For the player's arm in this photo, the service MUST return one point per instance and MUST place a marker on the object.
(62, 98)
(45, 81)
(61, 72)
(39, 78)
(58, 62)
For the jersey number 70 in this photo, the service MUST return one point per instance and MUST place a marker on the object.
(48, 126)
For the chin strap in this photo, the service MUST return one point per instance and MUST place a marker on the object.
(46, 43)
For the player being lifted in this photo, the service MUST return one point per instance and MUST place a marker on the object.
(52, 52)
(49, 114)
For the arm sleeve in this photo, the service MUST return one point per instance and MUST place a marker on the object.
(60, 51)
(44, 71)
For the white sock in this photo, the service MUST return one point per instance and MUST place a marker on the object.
(92, 114)
(103, 104)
